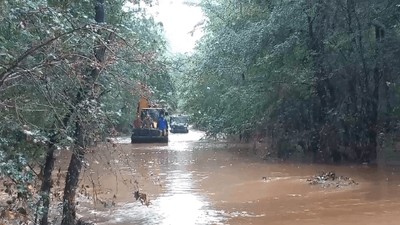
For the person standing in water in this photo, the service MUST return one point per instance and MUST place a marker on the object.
(162, 125)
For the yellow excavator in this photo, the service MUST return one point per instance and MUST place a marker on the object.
(145, 127)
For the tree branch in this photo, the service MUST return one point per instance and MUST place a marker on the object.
(4, 75)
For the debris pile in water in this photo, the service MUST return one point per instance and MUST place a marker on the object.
(142, 197)
(330, 179)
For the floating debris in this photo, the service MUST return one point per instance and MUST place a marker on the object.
(142, 197)
(82, 222)
(330, 179)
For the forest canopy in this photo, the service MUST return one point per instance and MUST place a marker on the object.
(71, 74)
(319, 75)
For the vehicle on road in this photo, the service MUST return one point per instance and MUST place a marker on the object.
(179, 123)
(145, 127)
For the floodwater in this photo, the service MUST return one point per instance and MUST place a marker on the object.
(195, 181)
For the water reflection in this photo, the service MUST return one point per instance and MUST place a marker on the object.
(196, 182)
(181, 200)
(184, 204)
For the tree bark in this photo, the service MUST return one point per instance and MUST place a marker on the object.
(47, 182)
(75, 165)
(71, 184)
(316, 35)
(48, 169)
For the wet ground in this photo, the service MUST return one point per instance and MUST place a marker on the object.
(194, 181)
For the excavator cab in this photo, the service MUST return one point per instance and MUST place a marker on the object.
(145, 125)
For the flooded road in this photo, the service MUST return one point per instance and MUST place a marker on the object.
(194, 181)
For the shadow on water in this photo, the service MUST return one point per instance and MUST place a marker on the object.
(193, 181)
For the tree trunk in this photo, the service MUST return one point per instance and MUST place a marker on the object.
(71, 184)
(373, 114)
(322, 86)
(48, 169)
(47, 182)
(373, 119)
(75, 165)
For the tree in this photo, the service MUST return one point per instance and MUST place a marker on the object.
(51, 93)
(84, 97)
(312, 72)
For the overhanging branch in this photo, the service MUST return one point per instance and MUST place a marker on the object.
(4, 75)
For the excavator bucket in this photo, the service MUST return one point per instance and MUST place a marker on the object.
(146, 128)
(148, 135)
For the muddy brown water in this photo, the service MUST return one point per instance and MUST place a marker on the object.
(193, 181)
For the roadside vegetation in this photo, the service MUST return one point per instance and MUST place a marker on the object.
(314, 77)
(71, 73)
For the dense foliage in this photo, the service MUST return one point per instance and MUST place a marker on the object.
(315, 75)
(71, 73)
(319, 77)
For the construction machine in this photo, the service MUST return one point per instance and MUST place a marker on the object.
(145, 128)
